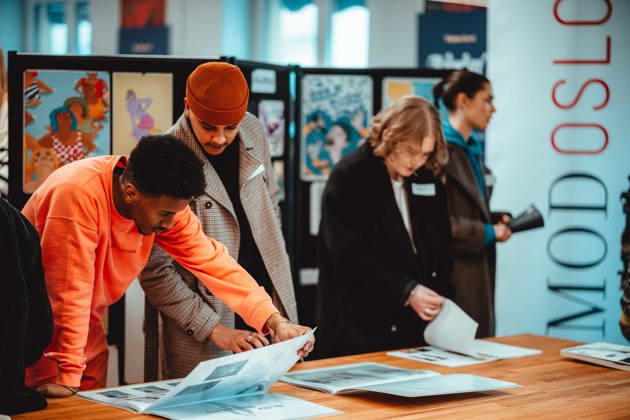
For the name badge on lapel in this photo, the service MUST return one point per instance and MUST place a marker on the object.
(425, 190)
(257, 172)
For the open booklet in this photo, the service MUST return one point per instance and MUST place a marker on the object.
(230, 387)
(606, 354)
(387, 379)
(451, 335)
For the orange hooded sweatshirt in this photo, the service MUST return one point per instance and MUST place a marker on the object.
(91, 254)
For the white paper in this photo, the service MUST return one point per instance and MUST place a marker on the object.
(451, 329)
(266, 406)
(386, 379)
(437, 356)
(441, 385)
(239, 375)
(132, 397)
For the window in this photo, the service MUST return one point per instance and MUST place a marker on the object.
(294, 34)
(83, 40)
(59, 27)
(349, 37)
(317, 32)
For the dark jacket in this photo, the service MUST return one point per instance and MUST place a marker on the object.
(474, 262)
(367, 266)
(26, 321)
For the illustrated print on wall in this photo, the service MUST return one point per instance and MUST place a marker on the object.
(335, 113)
(271, 114)
(395, 88)
(95, 91)
(143, 105)
(66, 118)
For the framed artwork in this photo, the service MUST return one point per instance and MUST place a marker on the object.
(143, 105)
(334, 116)
(66, 118)
(396, 87)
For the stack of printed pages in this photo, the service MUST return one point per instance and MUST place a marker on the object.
(230, 387)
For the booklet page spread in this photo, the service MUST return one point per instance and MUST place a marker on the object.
(230, 381)
(387, 379)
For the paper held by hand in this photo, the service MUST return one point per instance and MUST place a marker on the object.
(451, 335)
(453, 330)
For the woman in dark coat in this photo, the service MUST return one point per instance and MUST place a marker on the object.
(476, 230)
(384, 238)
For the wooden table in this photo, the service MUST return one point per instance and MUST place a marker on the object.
(552, 387)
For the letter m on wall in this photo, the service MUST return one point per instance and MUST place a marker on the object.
(580, 318)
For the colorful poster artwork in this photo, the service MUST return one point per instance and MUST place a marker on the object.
(142, 105)
(66, 118)
(271, 114)
(396, 87)
(334, 113)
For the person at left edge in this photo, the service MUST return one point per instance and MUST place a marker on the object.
(98, 219)
(26, 321)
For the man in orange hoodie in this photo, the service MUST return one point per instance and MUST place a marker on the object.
(98, 219)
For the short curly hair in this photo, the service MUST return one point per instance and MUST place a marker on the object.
(162, 165)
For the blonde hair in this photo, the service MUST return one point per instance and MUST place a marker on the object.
(410, 118)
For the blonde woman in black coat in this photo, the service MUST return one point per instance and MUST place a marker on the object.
(384, 238)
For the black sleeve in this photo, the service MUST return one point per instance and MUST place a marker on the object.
(40, 318)
(26, 317)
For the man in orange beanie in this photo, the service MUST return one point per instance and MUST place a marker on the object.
(239, 209)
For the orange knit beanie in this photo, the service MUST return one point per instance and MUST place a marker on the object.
(217, 93)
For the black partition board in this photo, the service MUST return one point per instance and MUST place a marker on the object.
(283, 93)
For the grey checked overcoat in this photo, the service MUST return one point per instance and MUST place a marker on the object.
(177, 337)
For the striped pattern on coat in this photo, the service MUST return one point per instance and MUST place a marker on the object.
(176, 338)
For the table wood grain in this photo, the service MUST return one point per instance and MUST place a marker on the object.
(553, 387)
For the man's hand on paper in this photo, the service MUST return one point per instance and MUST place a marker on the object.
(56, 391)
(236, 341)
(425, 302)
(282, 329)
